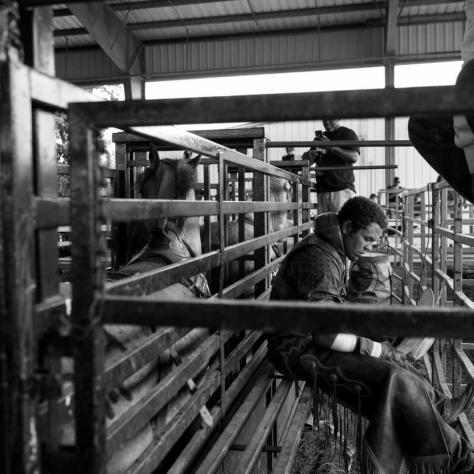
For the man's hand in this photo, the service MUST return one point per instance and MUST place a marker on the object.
(393, 355)
(324, 138)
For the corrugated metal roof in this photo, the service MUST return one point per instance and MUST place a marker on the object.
(230, 36)
(215, 18)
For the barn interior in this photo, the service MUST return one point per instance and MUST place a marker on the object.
(111, 362)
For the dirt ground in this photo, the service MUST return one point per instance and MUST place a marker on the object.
(318, 455)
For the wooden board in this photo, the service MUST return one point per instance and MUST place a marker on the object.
(417, 347)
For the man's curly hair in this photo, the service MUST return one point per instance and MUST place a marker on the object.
(361, 211)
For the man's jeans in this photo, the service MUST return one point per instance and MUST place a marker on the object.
(434, 140)
(333, 201)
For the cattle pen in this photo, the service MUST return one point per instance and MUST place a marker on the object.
(216, 404)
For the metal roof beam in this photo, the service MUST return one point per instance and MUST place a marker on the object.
(142, 5)
(59, 12)
(391, 30)
(124, 6)
(251, 16)
(113, 36)
(103, 24)
(405, 20)
(212, 20)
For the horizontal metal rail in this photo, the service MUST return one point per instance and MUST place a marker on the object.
(201, 145)
(291, 316)
(374, 167)
(388, 102)
(331, 143)
(154, 280)
(55, 212)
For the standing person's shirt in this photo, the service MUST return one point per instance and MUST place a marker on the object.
(337, 180)
(393, 196)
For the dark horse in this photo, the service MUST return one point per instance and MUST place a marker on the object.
(169, 240)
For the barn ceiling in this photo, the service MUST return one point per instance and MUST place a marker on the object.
(143, 40)
(168, 20)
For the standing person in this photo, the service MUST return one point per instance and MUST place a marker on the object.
(394, 199)
(337, 186)
(408, 427)
(447, 143)
(395, 186)
(290, 154)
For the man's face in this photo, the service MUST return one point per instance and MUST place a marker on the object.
(361, 241)
(331, 125)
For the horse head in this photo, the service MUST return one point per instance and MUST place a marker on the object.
(170, 179)
(281, 190)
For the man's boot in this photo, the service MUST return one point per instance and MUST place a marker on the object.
(451, 408)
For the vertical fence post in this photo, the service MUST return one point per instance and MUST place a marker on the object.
(17, 287)
(458, 252)
(260, 193)
(305, 192)
(121, 251)
(409, 224)
(221, 221)
(443, 260)
(88, 283)
(297, 212)
(241, 218)
(435, 206)
(405, 275)
(423, 240)
(457, 279)
(443, 263)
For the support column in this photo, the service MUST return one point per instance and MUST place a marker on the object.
(17, 286)
(389, 125)
(134, 88)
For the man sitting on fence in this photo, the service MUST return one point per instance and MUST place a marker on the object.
(408, 428)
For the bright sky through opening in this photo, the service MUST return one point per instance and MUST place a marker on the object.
(409, 75)
(280, 83)
(427, 74)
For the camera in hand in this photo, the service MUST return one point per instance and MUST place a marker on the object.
(318, 134)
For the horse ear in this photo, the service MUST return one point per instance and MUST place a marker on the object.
(153, 156)
(194, 161)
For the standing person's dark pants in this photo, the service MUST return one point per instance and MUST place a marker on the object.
(434, 140)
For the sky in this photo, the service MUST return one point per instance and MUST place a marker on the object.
(410, 75)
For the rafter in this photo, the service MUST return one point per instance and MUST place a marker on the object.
(113, 36)
(418, 19)
(212, 20)
(391, 31)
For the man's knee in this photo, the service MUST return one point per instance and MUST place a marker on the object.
(411, 388)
